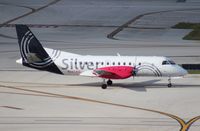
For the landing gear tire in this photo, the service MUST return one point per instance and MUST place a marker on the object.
(104, 86)
(169, 85)
(109, 82)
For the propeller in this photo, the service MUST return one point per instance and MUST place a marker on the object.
(134, 72)
(135, 68)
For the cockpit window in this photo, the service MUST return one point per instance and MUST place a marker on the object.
(168, 62)
(172, 62)
(165, 63)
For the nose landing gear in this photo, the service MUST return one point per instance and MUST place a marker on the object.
(169, 84)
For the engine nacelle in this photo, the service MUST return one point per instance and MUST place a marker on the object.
(115, 72)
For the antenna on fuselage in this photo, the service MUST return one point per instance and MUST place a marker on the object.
(135, 61)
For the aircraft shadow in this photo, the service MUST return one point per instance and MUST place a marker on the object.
(138, 86)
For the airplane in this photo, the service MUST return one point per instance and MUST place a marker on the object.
(109, 68)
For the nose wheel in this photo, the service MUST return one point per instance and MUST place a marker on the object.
(105, 85)
(169, 84)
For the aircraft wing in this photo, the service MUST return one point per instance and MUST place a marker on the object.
(103, 73)
(99, 73)
(88, 73)
(111, 72)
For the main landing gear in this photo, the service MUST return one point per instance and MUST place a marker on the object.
(169, 84)
(105, 85)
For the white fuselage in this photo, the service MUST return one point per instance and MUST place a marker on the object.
(74, 64)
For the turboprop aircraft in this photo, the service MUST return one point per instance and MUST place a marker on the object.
(108, 68)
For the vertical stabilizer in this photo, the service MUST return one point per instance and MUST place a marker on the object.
(32, 53)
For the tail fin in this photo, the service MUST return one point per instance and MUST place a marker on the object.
(32, 52)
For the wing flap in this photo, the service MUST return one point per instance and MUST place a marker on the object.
(103, 73)
(88, 73)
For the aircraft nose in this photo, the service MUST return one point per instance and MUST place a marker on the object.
(183, 72)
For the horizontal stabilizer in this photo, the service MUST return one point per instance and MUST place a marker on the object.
(19, 61)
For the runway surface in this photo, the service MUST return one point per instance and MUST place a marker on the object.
(33, 100)
(40, 102)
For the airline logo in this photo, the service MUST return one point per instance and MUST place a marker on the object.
(28, 54)
(76, 64)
